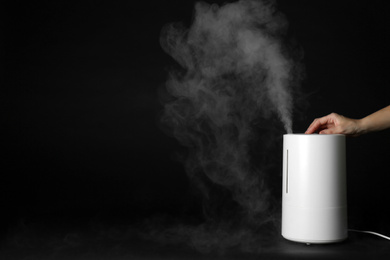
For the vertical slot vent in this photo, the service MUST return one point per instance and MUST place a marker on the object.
(287, 173)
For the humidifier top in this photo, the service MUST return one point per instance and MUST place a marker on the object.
(315, 134)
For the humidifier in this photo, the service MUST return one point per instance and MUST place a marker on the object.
(314, 206)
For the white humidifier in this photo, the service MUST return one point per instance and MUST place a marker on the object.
(314, 208)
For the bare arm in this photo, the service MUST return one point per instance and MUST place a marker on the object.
(377, 121)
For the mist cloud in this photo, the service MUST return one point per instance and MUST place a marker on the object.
(235, 70)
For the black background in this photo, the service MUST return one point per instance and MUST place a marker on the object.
(80, 106)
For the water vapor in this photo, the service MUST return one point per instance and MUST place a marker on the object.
(234, 72)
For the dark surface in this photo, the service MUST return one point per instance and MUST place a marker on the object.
(81, 142)
(122, 243)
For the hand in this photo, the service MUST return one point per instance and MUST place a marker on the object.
(335, 124)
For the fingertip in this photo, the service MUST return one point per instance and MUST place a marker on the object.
(308, 130)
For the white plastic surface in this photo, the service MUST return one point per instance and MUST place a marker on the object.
(314, 208)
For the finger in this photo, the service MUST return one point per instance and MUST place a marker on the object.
(325, 132)
(329, 131)
(317, 124)
(311, 128)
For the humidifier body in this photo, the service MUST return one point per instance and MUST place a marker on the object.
(314, 206)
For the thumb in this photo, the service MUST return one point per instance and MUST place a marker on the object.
(327, 131)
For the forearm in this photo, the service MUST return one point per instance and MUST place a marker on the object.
(377, 121)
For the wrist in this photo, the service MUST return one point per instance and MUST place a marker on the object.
(362, 126)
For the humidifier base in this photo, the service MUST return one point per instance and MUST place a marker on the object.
(314, 225)
(309, 241)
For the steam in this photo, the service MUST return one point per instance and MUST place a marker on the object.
(235, 73)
